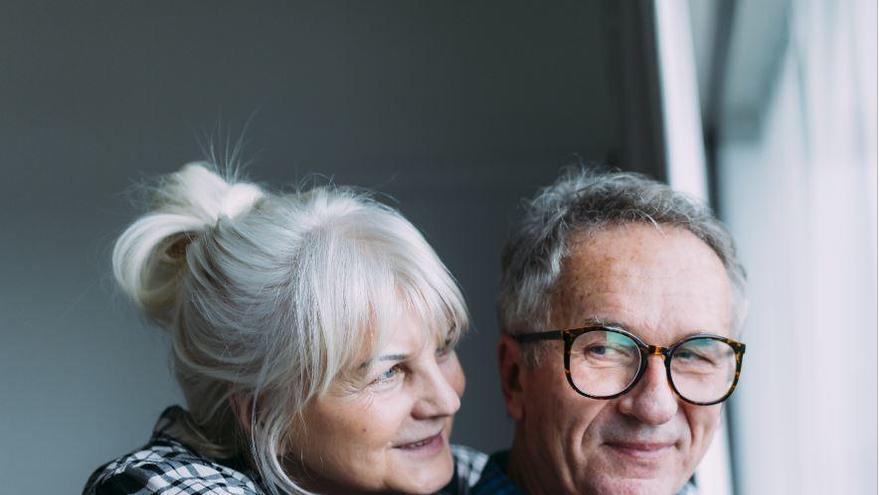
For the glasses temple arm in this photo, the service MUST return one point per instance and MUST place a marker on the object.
(535, 337)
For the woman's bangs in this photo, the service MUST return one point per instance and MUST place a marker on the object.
(435, 301)
(378, 280)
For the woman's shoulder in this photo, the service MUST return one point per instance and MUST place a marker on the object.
(164, 466)
(167, 466)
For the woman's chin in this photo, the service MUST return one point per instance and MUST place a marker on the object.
(423, 472)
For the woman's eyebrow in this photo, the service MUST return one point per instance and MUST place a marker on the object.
(393, 357)
(385, 357)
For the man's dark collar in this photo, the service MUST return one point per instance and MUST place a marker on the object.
(495, 481)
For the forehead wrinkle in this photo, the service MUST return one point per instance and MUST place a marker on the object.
(611, 308)
(603, 289)
(661, 285)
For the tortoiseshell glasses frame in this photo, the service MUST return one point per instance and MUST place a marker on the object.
(645, 351)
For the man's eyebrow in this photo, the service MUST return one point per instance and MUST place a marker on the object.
(598, 320)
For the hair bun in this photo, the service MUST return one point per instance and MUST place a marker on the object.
(206, 195)
(149, 255)
(239, 199)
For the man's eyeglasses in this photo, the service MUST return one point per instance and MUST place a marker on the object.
(604, 362)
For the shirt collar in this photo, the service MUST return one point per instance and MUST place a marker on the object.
(495, 481)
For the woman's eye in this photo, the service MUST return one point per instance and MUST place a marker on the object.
(446, 348)
(388, 375)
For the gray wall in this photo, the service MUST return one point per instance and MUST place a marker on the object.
(455, 110)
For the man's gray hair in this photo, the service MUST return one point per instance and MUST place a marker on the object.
(584, 200)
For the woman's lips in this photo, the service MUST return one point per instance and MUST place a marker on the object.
(426, 446)
(642, 450)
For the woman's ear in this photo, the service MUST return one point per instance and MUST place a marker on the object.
(510, 368)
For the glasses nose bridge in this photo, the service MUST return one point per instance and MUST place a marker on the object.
(657, 350)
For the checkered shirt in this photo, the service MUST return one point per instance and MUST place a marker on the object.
(469, 464)
(166, 466)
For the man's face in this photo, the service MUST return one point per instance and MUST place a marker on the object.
(661, 285)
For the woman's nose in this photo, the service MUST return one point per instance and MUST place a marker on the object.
(438, 396)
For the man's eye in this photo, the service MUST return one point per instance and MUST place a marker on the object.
(606, 350)
(692, 357)
(609, 353)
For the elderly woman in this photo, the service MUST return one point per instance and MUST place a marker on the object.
(313, 335)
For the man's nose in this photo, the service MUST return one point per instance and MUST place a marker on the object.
(437, 396)
(652, 401)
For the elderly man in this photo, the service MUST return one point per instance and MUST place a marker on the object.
(620, 300)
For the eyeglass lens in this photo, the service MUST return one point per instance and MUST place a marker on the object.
(604, 363)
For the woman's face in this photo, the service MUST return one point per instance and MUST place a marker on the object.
(388, 429)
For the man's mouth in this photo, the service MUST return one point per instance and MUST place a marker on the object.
(642, 450)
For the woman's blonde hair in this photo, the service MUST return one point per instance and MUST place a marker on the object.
(270, 297)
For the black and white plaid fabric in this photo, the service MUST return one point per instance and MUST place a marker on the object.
(469, 465)
(167, 467)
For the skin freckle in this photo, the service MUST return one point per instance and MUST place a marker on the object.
(661, 287)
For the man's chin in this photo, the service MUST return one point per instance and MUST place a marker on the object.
(653, 466)
(635, 486)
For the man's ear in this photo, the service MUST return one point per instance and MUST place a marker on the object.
(510, 367)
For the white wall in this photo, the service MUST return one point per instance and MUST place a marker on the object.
(799, 194)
